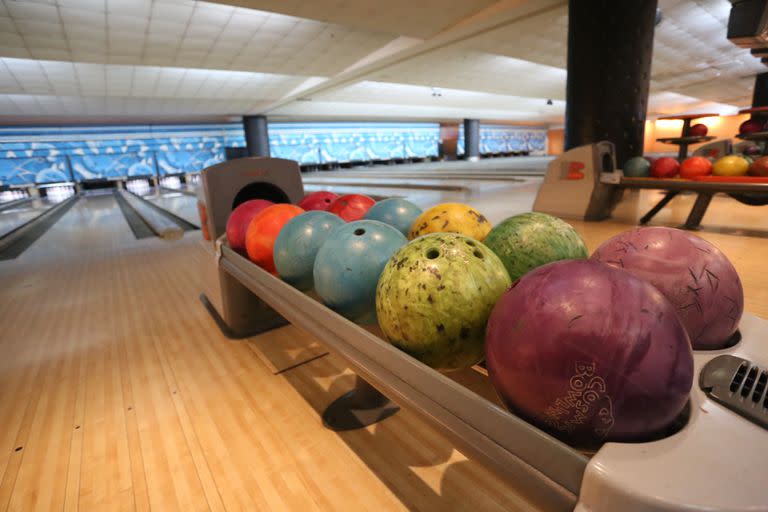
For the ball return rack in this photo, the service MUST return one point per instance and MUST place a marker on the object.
(584, 183)
(715, 460)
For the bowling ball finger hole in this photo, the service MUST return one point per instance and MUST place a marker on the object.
(359, 231)
(478, 254)
(432, 254)
(470, 243)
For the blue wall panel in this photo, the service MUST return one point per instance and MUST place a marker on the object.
(507, 138)
(30, 155)
(321, 143)
(87, 167)
(38, 169)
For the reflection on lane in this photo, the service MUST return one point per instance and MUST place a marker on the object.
(14, 217)
(179, 204)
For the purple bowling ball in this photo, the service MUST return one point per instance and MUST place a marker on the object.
(696, 277)
(589, 353)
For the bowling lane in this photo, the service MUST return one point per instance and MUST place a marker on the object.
(170, 199)
(14, 217)
(184, 206)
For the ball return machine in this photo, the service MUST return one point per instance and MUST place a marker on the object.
(714, 459)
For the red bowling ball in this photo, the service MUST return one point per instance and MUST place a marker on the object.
(750, 126)
(698, 130)
(759, 167)
(320, 200)
(694, 275)
(695, 166)
(351, 207)
(589, 353)
(665, 167)
(240, 218)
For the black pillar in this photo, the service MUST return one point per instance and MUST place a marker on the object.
(760, 94)
(232, 153)
(256, 135)
(610, 45)
(471, 139)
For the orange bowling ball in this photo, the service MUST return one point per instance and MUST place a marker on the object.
(695, 166)
(263, 230)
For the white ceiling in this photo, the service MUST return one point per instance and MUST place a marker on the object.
(90, 59)
(419, 18)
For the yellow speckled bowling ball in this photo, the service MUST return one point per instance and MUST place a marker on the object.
(730, 166)
(451, 218)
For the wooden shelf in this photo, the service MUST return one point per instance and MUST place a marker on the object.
(691, 139)
(688, 116)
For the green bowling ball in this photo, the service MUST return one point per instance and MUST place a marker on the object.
(637, 167)
(529, 240)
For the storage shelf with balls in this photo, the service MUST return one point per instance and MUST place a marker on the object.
(664, 474)
(686, 138)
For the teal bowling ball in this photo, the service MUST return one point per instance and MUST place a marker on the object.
(637, 167)
(297, 244)
(348, 266)
(397, 212)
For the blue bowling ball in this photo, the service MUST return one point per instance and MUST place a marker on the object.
(297, 244)
(637, 167)
(396, 212)
(348, 266)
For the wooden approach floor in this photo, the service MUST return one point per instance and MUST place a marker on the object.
(117, 391)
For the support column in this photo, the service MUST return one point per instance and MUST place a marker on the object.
(472, 139)
(610, 45)
(256, 135)
(760, 94)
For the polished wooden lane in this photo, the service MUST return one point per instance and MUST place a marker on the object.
(117, 392)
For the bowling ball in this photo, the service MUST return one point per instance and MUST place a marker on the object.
(396, 212)
(665, 167)
(695, 166)
(297, 244)
(751, 150)
(529, 240)
(434, 298)
(451, 218)
(731, 165)
(263, 230)
(698, 130)
(320, 200)
(240, 219)
(750, 126)
(637, 167)
(589, 353)
(351, 207)
(348, 266)
(694, 275)
(759, 167)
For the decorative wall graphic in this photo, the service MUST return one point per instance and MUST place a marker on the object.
(48, 154)
(507, 138)
(30, 155)
(38, 169)
(321, 143)
(173, 162)
(111, 166)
